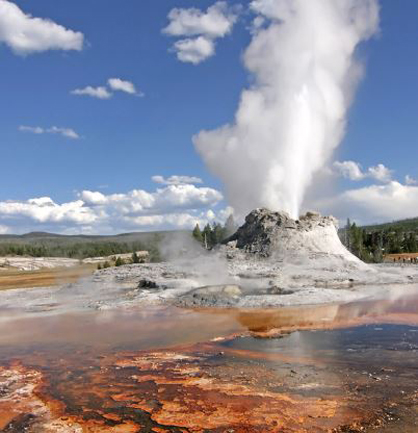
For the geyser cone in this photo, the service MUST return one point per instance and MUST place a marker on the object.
(277, 235)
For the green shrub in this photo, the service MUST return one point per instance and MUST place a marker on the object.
(135, 258)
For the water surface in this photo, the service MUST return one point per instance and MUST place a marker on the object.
(335, 368)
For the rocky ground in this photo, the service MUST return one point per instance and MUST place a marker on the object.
(35, 263)
(272, 260)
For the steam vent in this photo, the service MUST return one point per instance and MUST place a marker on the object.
(278, 236)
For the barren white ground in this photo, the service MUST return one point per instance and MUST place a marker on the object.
(212, 281)
(271, 261)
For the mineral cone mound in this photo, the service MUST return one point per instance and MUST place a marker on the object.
(278, 236)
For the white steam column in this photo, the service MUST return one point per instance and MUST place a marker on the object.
(288, 123)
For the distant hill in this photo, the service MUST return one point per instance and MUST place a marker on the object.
(406, 225)
(44, 237)
(40, 244)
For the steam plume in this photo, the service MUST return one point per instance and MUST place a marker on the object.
(293, 117)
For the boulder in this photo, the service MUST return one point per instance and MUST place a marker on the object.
(147, 284)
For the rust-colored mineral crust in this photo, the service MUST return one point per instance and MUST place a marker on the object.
(194, 389)
(323, 380)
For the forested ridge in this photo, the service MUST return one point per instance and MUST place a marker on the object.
(38, 244)
(372, 243)
(80, 247)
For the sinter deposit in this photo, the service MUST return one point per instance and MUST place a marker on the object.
(272, 260)
(278, 236)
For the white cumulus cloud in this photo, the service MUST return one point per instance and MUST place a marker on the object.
(349, 169)
(374, 204)
(380, 173)
(45, 210)
(199, 30)
(172, 221)
(25, 34)
(194, 50)
(165, 200)
(93, 198)
(123, 86)
(216, 22)
(353, 170)
(171, 206)
(66, 132)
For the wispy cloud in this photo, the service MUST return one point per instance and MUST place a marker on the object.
(176, 180)
(100, 92)
(32, 129)
(106, 92)
(25, 34)
(409, 180)
(66, 132)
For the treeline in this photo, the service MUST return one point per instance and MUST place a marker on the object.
(79, 250)
(214, 234)
(370, 244)
(407, 225)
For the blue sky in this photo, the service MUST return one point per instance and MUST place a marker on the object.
(383, 123)
(125, 140)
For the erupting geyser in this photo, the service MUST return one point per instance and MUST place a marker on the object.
(302, 58)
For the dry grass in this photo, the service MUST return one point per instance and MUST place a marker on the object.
(14, 279)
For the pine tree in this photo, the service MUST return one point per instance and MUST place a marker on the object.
(197, 234)
(347, 234)
(356, 241)
(217, 234)
(413, 243)
(207, 236)
(410, 243)
(230, 226)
